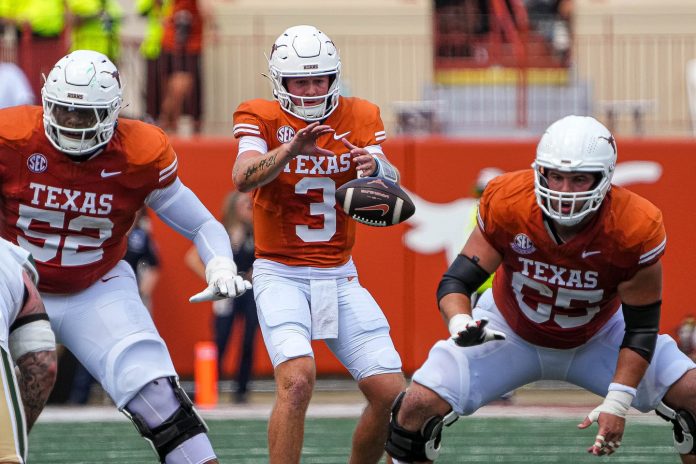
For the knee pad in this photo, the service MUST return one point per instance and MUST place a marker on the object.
(684, 427)
(423, 445)
(132, 363)
(164, 398)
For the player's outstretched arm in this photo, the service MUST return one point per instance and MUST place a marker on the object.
(254, 169)
(181, 210)
(33, 348)
(641, 299)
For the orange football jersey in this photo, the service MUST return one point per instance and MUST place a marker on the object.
(559, 296)
(296, 219)
(73, 217)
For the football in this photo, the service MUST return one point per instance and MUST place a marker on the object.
(375, 201)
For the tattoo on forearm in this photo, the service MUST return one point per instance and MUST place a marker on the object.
(36, 379)
(260, 166)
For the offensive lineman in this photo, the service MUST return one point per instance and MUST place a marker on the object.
(72, 179)
(577, 298)
(294, 152)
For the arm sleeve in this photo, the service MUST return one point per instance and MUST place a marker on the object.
(181, 210)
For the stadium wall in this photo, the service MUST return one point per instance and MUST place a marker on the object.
(402, 265)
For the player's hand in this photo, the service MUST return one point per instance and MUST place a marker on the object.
(611, 419)
(366, 164)
(223, 281)
(466, 331)
(305, 140)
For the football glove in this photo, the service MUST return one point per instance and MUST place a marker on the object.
(466, 331)
(223, 281)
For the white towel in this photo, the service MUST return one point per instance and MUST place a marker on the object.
(324, 308)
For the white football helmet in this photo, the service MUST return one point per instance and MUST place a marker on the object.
(81, 98)
(574, 144)
(305, 51)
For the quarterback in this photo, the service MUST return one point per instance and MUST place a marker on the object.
(576, 297)
(72, 178)
(294, 153)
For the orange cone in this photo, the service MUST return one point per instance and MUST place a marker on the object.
(205, 374)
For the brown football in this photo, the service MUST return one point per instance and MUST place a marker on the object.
(375, 201)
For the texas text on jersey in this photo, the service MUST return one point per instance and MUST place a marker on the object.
(73, 217)
(559, 296)
(313, 231)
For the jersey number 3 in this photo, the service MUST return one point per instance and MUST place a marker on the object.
(71, 254)
(325, 208)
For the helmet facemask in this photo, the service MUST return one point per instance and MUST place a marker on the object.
(581, 204)
(81, 101)
(297, 105)
(77, 130)
(574, 144)
(305, 52)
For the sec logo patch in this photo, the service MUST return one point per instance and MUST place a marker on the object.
(37, 163)
(285, 134)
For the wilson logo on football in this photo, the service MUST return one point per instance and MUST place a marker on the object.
(382, 207)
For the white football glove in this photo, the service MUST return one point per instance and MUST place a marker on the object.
(466, 331)
(223, 281)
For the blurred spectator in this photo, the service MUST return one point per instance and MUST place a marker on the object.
(238, 220)
(181, 61)
(8, 14)
(41, 23)
(151, 49)
(14, 86)
(552, 19)
(457, 21)
(143, 257)
(96, 25)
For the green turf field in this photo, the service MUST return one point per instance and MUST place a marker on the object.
(482, 440)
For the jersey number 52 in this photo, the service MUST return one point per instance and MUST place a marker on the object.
(69, 244)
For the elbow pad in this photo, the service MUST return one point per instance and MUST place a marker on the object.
(642, 325)
(463, 276)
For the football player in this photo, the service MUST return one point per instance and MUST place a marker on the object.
(73, 176)
(576, 297)
(294, 152)
(26, 340)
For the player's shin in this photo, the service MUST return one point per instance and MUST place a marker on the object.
(164, 415)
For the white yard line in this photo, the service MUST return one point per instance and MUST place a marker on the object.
(326, 410)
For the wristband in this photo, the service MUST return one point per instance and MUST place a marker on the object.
(623, 388)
